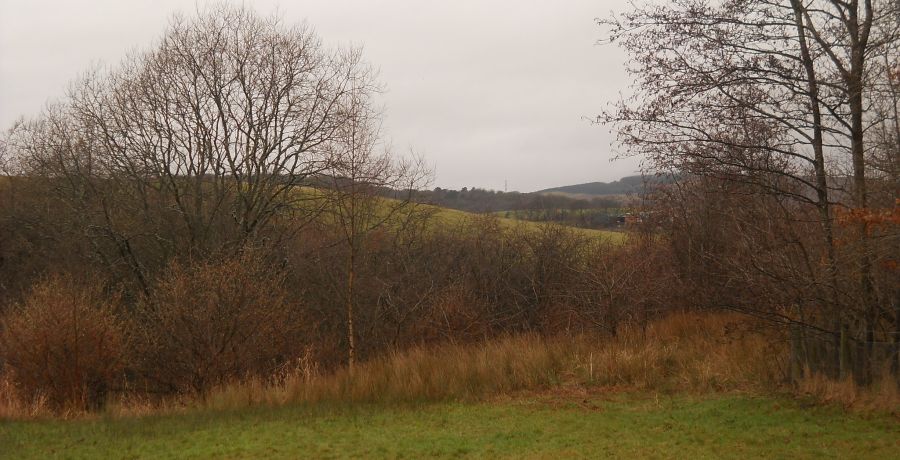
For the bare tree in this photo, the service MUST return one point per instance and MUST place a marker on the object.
(370, 189)
(202, 142)
(771, 94)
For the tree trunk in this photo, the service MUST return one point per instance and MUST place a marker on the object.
(797, 358)
(895, 363)
(844, 364)
(859, 36)
(822, 203)
(351, 340)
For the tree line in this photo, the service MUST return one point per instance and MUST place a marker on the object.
(483, 200)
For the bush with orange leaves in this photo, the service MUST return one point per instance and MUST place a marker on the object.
(63, 345)
(210, 322)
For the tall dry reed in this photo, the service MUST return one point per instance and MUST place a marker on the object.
(684, 352)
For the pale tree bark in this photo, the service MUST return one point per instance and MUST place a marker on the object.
(370, 189)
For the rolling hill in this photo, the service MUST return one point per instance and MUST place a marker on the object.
(449, 216)
(625, 186)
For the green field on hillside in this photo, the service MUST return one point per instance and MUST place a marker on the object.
(576, 426)
(453, 216)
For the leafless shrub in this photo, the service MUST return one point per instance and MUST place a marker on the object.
(64, 344)
(209, 322)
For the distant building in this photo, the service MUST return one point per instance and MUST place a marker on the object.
(629, 219)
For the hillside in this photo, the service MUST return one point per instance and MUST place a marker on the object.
(454, 216)
(625, 186)
(481, 200)
(443, 216)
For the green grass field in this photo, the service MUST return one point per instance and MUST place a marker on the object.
(599, 426)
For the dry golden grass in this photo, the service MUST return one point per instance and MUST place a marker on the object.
(685, 352)
(13, 405)
(883, 396)
(691, 353)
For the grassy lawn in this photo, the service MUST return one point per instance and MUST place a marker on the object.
(623, 427)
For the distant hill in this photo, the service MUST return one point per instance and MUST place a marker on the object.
(624, 186)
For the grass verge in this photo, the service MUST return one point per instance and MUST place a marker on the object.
(616, 425)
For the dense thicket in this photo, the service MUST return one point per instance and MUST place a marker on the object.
(214, 210)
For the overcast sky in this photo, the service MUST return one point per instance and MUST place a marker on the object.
(487, 91)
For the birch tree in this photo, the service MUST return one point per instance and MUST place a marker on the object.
(370, 189)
